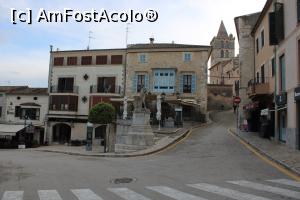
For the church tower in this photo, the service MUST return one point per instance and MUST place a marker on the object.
(222, 46)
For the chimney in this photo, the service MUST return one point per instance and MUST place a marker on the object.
(151, 40)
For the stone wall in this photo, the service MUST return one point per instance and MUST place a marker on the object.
(219, 97)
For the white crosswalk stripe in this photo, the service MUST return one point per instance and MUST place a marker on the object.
(13, 195)
(286, 182)
(49, 195)
(175, 194)
(85, 194)
(267, 188)
(127, 194)
(226, 192)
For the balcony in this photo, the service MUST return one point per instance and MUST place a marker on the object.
(63, 103)
(99, 89)
(258, 86)
(59, 89)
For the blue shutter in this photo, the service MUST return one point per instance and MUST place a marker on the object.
(134, 83)
(180, 83)
(193, 83)
(147, 82)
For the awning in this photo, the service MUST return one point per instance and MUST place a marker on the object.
(10, 129)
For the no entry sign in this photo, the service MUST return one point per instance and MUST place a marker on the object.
(237, 100)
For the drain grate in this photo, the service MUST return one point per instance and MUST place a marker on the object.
(123, 180)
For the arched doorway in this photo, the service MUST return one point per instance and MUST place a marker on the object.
(100, 133)
(61, 133)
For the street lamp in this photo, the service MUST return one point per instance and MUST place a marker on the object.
(158, 107)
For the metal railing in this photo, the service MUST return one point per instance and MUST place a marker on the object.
(59, 89)
(100, 89)
(63, 107)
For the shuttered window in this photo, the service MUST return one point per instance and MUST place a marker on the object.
(298, 10)
(279, 19)
(116, 59)
(101, 60)
(72, 61)
(58, 61)
(106, 84)
(86, 60)
(17, 111)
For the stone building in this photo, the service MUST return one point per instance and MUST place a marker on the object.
(20, 107)
(79, 79)
(244, 25)
(178, 71)
(224, 65)
(271, 55)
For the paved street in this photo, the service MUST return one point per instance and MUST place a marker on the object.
(210, 164)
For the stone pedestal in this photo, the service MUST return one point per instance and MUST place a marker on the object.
(134, 135)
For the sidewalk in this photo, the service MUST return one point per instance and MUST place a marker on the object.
(164, 139)
(275, 151)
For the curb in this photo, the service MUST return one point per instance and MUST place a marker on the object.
(181, 137)
(286, 166)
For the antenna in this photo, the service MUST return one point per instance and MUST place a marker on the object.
(127, 31)
(90, 37)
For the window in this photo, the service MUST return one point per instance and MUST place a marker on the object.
(276, 24)
(106, 85)
(0, 112)
(222, 44)
(226, 54)
(262, 37)
(262, 71)
(273, 66)
(116, 59)
(86, 60)
(142, 58)
(187, 83)
(164, 81)
(72, 61)
(101, 60)
(257, 45)
(17, 111)
(65, 85)
(63, 103)
(58, 61)
(282, 73)
(35, 98)
(30, 113)
(140, 82)
(222, 54)
(257, 77)
(298, 10)
(187, 57)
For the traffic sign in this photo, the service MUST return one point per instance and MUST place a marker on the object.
(237, 100)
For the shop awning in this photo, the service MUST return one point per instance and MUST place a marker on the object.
(10, 129)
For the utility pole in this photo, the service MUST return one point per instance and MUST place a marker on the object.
(90, 37)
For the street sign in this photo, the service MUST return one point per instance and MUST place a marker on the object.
(237, 100)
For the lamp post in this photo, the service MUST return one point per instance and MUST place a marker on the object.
(125, 108)
(89, 136)
(158, 107)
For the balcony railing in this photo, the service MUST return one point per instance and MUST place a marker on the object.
(257, 86)
(107, 90)
(59, 89)
(63, 107)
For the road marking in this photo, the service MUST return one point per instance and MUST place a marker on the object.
(226, 192)
(264, 158)
(49, 195)
(175, 194)
(127, 194)
(267, 188)
(85, 194)
(13, 195)
(286, 182)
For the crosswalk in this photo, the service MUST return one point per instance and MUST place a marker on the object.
(277, 188)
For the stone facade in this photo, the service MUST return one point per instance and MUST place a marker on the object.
(169, 60)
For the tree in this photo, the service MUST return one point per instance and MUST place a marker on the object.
(102, 113)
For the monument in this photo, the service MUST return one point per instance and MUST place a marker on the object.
(137, 133)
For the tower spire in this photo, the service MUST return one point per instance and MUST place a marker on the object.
(222, 33)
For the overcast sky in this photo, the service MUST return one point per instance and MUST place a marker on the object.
(24, 49)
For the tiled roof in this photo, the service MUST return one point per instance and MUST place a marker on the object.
(163, 46)
(23, 90)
